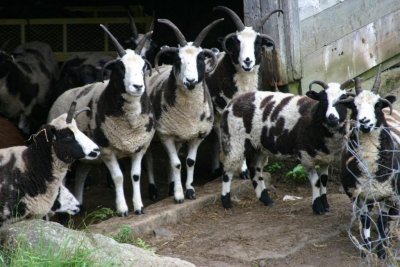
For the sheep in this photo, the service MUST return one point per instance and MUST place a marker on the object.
(27, 75)
(258, 124)
(121, 122)
(237, 71)
(30, 176)
(182, 105)
(371, 160)
(65, 203)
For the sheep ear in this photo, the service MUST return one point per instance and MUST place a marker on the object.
(391, 98)
(313, 95)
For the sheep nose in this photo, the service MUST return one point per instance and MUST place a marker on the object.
(247, 61)
(333, 120)
(95, 153)
(190, 83)
(138, 87)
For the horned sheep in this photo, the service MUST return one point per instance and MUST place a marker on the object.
(30, 176)
(121, 121)
(182, 105)
(259, 124)
(371, 160)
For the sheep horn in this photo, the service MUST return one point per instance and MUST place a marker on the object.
(223, 44)
(142, 42)
(238, 22)
(181, 39)
(323, 84)
(342, 101)
(199, 39)
(358, 88)
(269, 38)
(80, 111)
(105, 66)
(132, 24)
(346, 84)
(213, 57)
(148, 64)
(121, 51)
(153, 21)
(265, 18)
(164, 50)
(71, 112)
(389, 104)
(377, 82)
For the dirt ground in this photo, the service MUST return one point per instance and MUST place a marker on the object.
(286, 234)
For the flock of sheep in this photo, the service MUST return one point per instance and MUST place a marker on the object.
(124, 102)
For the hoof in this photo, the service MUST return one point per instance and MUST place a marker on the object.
(324, 201)
(139, 212)
(264, 198)
(226, 201)
(245, 175)
(123, 214)
(179, 201)
(190, 194)
(171, 189)
(153, 192)
(318, 207)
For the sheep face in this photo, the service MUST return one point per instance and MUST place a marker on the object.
(133, 77)
(65, 202)
(70, 143)
(189, 66)
(334, 114)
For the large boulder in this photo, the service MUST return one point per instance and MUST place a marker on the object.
(104, 251)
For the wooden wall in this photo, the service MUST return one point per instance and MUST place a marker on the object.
(331, 40)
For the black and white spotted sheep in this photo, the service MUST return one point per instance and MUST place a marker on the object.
(30, 176)
(371, 160)
(27, 76)
(65, 203)
(121, 121)
(259, 124)
(182, 105)
(237, 71)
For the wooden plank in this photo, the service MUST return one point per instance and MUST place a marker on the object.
(354, 53)
(342, 19)
(308, 8)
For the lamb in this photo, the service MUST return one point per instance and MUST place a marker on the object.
(182, 105)
(258, 124)
(121, 121)
(65, 203)
(30, 176)
(371, 160)
(237, 71)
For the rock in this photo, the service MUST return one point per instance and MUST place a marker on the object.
(105, 249)
(163, 232)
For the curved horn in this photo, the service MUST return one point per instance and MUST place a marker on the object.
(153, 21)
(121, 51)
(357, 82)
(224, 41)
(387, 102)
(148, 64)
(105, 66)
(321, 83)
(199, 39)
(265, 18)
(269, 38)
(342, 101)
(213, 59)
(76, 113)
(71, 112)
(142, 42)
(164, 50)
(377, 82)
(238, 22)
(132, 24)
(346, 84)
(178, 33)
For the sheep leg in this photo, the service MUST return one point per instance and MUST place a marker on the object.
(366, 227)
(175, 169)
(317, 205)
(256, 175)
(135, 174)
(190, 161)
(81, 172)
(112, 164)
(323, 184)
(153, 192)
(382, 230)
(226, 190)
(244, 172)
(215, 163)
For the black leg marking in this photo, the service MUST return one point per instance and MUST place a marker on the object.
(318, 207)
(245, 175)
(226, 201)
(153, 192)
(324, 180)
(265, 198)
(190, 162)
(171, 189)
(178, 166)
(325, 203)
(190, 194)
(254, 184)
(225, 178)
(135, 177)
